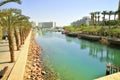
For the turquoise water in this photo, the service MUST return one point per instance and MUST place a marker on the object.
(75, 59)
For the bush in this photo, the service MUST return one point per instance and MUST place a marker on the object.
(112, 23)
(115, 31)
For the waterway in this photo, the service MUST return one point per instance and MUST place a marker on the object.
(75, 59)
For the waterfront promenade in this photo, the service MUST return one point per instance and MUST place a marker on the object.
(15, 70)
(115, 76)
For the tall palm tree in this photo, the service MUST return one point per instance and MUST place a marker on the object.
(20, 24)
(16, 25)
(92, 17)
(109, 14)
(7, 18)
(7, 1)
(2, 2)
(10, 18)
(98, 13)
(104, 14)
(0, 33)
(7, 21)
(95, 13)
(24, 21)
(115, 13)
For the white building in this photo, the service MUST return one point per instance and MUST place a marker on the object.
(47, 24)
(33, 24)
(84, 20)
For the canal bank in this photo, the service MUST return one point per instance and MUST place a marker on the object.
(35, 70)
(102, 39)
(33, 65)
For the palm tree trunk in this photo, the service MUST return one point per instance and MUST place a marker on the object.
(93, 20)
(115, 17)
(109, 17)
(21, 37)
(17, 39)
(11, 45)
(1, 33)
(98, 19)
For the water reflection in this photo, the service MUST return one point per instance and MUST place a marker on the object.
(101, 52)
(68, 39)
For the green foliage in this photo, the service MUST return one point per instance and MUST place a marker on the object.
(115, 31)
(112, 23)
(77, 28)
(103, 31)
(69, 28)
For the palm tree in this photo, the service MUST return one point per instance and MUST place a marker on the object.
(95, 13)
(92, 17)
(23, 26)
(7, 1)
(20, 25)
(104, 14)
(16, 25)
(98, 13)
(0, 33)
(8, 21)
(115, 13)
(7, 18)
(109, 14)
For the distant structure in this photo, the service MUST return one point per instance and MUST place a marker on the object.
(47, 24)
(119, 10)
(85, 20)
(33, 24)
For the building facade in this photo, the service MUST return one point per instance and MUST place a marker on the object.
(47, 24)
(119, 10)
(85, 20)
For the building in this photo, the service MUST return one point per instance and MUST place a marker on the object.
(47, 24)
(33, 24)
(85, 20)
(119, 10)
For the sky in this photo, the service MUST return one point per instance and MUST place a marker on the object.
(63, 12)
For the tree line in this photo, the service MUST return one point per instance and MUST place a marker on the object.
(15, 24)
(95, 17)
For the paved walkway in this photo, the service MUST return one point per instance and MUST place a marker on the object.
(20, 60)
(5, 58)
(115, 76)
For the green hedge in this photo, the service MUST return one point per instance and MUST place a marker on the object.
(104, 31)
